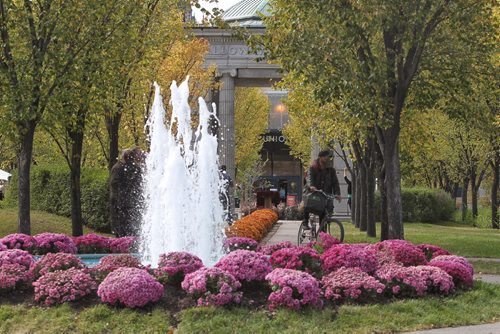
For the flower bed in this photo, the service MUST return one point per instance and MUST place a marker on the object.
(59, 261)
(457, 267)
(110, 263)
(92, 244)
(18, 241)
(254, 226)
(351, 284)
(54, 243)
(398, 251)
(350, 256)
(270, 249)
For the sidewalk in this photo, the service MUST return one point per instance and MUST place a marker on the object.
(476, 329)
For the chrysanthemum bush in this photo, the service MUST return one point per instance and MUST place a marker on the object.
(325, 242)
(110, 263)
(2, 247)
(122, 245)
(457, 267)
(18, 241)
(349, 256)
(351, 284)
(63, 286)
(254, 226)
(293, 289)
(212, 286)
(56, 261)
(130, 287)
(398, 251)
(246, 266)
(92, 244)
(16, 256)
(174, 266)
(270, 249)
(298, 258)
(54, 243)
(14, 276)
(432, 251)
(234, 243)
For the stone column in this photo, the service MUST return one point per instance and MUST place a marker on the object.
(225, 113)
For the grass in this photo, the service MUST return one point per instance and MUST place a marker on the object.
(459, 239)
(483, 220)
(486, 267)
(480, 305)
(40, 222)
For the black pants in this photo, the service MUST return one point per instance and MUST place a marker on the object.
(329, 208)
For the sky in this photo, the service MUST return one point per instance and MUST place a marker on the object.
(222, 4)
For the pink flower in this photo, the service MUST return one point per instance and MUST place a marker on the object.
(122, 245)
(13, 276)
(131, 287)
(402, 281)
(16, 256)
(351, 284)
(110, 263)
(54, 243)
(63, 286)
(432, 251)
(349, 256)
(234, 243)
(212, 286)
(58, 261)
(298, 258)
(18, 241)
(270, 249)
(398, 251)
(457, 267)
(293, 289)
(92, 243)
(246, 265)
(173, 267)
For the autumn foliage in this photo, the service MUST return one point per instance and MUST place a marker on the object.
(255, 225)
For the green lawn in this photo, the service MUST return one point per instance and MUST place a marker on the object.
(486, 267)
(481, 305)
(40, 222)
(457, 238)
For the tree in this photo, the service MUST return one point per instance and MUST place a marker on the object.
(368, 54)
(40, 42)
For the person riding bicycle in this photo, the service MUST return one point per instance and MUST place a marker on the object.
(322, 176)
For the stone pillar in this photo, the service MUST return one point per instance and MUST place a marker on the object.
(225, 113)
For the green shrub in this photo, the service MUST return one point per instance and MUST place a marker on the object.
(423, 205)
(51, 192)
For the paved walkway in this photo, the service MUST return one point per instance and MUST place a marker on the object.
(476, 329)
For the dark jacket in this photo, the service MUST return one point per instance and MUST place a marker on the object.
(324, 179)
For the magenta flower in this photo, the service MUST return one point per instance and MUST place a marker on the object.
(14, 276)
(16, 256)
(110, 263)
(212, 286)
(54, 243)
(18, 241)
(351, 284)
(92, 244)
(131, 287)
(234, 243)
(63, 286)
(432, 251)
(246, 265)
(293, 289)
(349, 256)
(298, 258)
(174, 266)
(122, 245)
(398, 251)
(457, 267)
(59, 261)
(270, 249)
(402, 281)
(2, 247)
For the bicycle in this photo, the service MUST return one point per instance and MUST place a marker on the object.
(329, 224)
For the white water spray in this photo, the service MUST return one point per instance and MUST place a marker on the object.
(181, 184)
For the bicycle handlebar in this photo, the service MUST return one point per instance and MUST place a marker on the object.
(327, 195)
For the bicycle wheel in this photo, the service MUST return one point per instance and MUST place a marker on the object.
(335, 228)
(304, 236)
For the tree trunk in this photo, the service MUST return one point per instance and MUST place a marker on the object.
(76, 195)
(464, 198)
(25, 156)
(363, 221)
(473, 181)
(371, 230)
(113, 126)
(384, 226)
(353, 195)
(494, 192)
(393, 185)
(358, 198)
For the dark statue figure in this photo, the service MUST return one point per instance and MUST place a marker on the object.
(126, 197)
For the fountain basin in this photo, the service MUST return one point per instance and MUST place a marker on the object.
(91, 260)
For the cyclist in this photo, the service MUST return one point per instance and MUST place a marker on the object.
(322, 176)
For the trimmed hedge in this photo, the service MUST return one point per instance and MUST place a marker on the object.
(423, 205)
(51, 192)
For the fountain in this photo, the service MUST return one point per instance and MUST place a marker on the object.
(181, 184)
